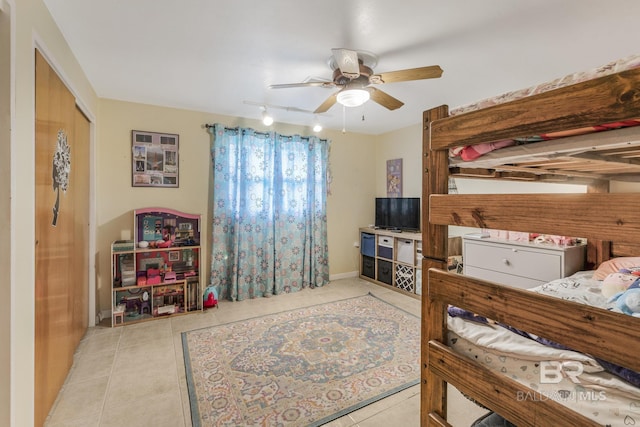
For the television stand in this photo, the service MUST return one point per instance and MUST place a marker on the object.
(392, 260)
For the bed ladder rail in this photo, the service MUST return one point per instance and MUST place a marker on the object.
(598, 332)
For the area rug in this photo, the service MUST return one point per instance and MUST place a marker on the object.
(303, 367)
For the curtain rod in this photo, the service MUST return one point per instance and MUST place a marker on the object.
(209, 126)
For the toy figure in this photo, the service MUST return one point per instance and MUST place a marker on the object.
(615, 283)
(628, 301)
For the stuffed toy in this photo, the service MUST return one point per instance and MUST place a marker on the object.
(616, 283)
(210, 297)
(628, 301)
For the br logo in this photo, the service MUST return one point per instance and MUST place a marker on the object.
(552, 372)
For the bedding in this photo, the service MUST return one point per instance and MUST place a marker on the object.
(469, 153)
(615, 265)
(596, 394)
(595, 388)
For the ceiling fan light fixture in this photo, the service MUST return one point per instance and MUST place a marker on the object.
(353, 97)
(317, 127)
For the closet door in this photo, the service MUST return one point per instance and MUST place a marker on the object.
(61, 228)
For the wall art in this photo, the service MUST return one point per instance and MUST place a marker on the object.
(394, 178)
(154, 159)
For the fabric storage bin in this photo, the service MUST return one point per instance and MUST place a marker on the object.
(404, 278)
(369, 266)
(385, 247)
(404, 251)
(385, 272)
(368, 244)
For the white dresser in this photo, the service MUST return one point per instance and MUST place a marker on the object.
(519, 264)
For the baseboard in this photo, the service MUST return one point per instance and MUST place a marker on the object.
(104, 314)
(343, 275)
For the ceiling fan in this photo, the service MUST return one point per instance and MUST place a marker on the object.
(353, 74)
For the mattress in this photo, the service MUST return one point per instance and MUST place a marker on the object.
(573, 379)
(627, 63)
(473, 152)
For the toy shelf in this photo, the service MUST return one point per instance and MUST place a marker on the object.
(158, 273)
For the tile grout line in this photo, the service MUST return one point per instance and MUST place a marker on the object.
(106, 392)
(178, 381)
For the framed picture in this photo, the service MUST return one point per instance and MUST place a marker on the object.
(174, 256)
(394, 178)
(154, 159)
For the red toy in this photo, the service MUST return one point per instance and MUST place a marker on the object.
(210, 297)
(153, 276)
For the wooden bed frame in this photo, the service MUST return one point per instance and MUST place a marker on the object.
(610, 222)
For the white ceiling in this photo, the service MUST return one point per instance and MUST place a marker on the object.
(214, 56)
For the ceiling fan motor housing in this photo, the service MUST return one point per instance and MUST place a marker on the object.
(341, 80)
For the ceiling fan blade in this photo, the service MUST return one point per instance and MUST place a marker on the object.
(347, 61)
(304, 84)
(328, 103)
(384, 99)
(430, 72)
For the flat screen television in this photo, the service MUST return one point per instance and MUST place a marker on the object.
(398, 213)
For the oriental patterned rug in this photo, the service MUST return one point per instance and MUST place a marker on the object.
(303, 367)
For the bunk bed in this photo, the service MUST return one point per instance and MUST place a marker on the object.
(609, 221)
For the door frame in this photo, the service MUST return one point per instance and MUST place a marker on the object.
(7, 317)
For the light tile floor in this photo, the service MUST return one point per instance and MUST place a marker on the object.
(134, 375)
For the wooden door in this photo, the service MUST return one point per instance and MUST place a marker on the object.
(61, 228)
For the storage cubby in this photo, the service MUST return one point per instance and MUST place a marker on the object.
(158, 273)
(394, 259)
(391, 259)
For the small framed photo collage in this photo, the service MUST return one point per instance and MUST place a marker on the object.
(154, 159)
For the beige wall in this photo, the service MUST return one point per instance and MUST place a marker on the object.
(33, 27)
(5, 205)
(405, 144)
(348, 205)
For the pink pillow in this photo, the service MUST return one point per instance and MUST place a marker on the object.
(615, 265)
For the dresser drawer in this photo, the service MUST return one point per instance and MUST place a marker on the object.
(513, 260)
(507, 279)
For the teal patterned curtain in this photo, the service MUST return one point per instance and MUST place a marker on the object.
(269, 213)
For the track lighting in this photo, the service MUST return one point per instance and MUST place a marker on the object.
(317, 127)
(267, 120)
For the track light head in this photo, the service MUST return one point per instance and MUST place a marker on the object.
(267, 120)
